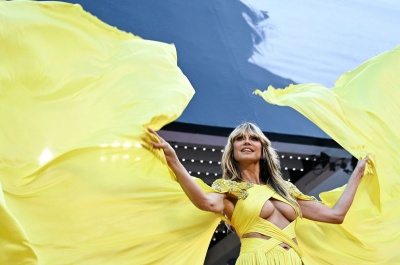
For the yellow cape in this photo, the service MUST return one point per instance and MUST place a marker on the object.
(81, 183)
(362, 114)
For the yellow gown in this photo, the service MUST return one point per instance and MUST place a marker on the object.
(246, 219)
(362, 114)
(81, 183)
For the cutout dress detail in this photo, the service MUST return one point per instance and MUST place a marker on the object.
(246, 219)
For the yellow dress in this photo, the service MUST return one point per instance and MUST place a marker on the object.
(362, 114)
(82, 185)
(246, 219)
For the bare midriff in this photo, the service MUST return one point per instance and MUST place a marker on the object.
(258, 235)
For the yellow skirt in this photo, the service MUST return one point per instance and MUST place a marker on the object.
(257, 251)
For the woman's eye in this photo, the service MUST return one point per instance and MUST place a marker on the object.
(254, 138)
(239, 138)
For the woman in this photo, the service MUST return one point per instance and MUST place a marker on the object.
(256, 201)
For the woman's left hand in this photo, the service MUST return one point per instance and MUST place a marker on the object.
(359, 170)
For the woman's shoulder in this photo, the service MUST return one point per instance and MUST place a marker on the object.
(296, 193)
(238, 189)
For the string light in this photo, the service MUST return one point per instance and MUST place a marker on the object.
(203, 169)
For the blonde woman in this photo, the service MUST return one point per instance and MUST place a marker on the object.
(256, 201)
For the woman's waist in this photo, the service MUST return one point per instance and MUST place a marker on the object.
(253, 241)
(266, 230)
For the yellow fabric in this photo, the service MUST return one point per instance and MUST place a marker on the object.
(238, 189)
(362, 114)
(255, 251)
(14, 245)
(81, 183)
(246, 219)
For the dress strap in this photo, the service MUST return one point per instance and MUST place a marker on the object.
(238, 189)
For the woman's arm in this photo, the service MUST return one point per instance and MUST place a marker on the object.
(212, 202)
(318, 212)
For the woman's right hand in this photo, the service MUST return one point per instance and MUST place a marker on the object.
(169, 152)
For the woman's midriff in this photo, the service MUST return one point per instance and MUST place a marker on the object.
(258, 235)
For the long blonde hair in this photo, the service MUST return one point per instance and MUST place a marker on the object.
(270, 171)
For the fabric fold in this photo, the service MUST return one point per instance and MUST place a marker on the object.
(81, 182)
(361, 114)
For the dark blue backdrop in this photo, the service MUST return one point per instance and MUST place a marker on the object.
(214, 42)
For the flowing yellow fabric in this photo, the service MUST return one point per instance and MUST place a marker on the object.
(362, 114)
(15, 247)
(81, 183)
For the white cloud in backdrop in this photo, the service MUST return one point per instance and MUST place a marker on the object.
(314, 41)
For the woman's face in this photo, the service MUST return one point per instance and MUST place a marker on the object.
(247, 148)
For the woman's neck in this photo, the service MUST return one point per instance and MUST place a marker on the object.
(251, 173)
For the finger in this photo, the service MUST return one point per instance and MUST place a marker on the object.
(162, 145)
(156, 144)
(151, 131)
(155, 134)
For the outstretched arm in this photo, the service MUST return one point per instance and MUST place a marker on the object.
(212, 202)
(318, 212)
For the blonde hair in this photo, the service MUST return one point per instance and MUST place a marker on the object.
(270, 171)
